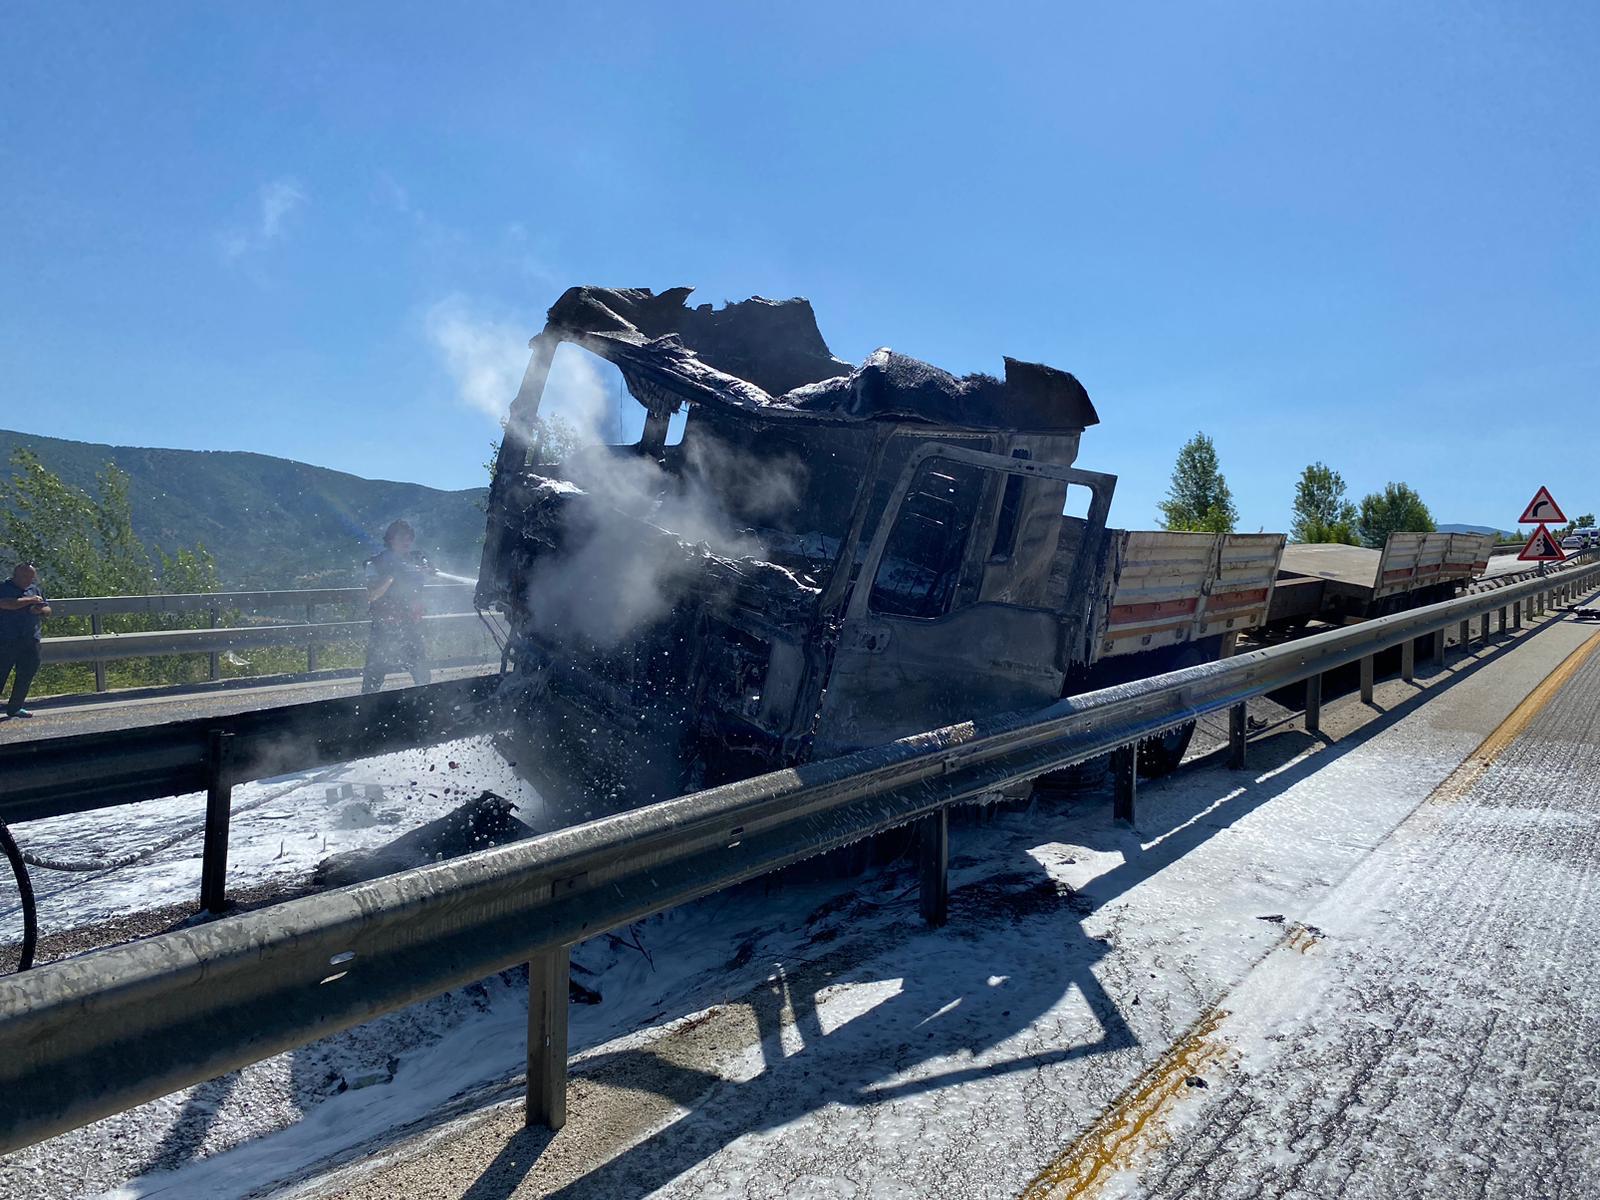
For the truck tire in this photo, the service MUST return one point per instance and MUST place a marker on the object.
(1160, 756)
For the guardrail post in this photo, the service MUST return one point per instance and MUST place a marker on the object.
(1236, 736)
(1502, 619)
(1408, 660)
(1366, 680)
(216, 659)
(1516, 614)
(1438, 648)
(1314, 704)
(311, 647)
(1124, 782)
(934, 851)
(1466, 635)
(97, 627)
(549, 976)
(1485, 630)
(219, 803)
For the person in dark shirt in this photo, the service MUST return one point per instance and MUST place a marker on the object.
(23, 609)
(395, 579)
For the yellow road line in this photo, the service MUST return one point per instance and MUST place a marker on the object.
(1132, 1122)
(1109, 1143)
(1460, 781)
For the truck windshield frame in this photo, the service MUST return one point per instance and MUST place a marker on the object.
(1100, 486)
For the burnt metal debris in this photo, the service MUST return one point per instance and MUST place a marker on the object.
(799, 557)
(829, 558)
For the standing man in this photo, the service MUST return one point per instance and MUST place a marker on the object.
(22, 612)
(394, 599)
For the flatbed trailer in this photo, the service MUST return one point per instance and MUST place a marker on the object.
(1163, 601)
(1340, 584)
(1172, 589)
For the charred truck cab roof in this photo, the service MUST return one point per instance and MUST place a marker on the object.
(831, 557)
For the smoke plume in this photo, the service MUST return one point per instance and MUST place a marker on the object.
(619, 570)
(486, 356)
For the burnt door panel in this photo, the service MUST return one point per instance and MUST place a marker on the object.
(915, 652)
(894, 676)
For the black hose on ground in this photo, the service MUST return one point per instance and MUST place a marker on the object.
(89, 868)
(30, 915)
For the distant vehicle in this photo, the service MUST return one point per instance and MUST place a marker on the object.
(1575, 541)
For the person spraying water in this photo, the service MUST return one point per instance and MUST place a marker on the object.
(395, 579)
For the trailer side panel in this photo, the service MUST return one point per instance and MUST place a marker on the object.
(1166, 589)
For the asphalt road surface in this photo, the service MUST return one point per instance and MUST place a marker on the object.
(1433, 1029)
(1363, 967)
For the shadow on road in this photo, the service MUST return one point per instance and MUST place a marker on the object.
(959, 992)
(951, 995)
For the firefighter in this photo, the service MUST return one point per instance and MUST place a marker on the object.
(395, 578)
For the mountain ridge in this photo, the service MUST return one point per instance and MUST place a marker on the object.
(270, 522)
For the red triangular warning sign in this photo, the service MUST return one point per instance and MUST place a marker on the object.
(1542, 547)
(1541, 508)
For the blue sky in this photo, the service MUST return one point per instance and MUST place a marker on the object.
(1359, 232)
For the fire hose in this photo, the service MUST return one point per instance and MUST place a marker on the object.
(20, 861)
(30, 915)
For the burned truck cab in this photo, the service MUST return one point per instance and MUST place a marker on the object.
(828, 557)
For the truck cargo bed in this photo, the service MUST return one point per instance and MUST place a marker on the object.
(1337, 583)
(1165, 589)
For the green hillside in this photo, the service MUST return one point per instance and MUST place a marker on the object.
(271, 522)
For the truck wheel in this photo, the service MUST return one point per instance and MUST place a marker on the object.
(1160, 756)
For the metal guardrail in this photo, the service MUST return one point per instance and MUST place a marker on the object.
(54, 776)
(100, 647)
(51, 777)
(89, 1036)
(1575, 560)
(89, 606)
(109, 647)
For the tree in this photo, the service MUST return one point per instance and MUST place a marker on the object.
(1396, 509)
(1198, 499)
(189, 571)
(83, 546)
(1322, 513)
(1584, 522)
